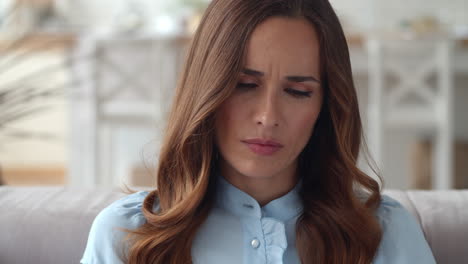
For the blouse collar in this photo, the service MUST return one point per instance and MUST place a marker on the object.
(239, 203)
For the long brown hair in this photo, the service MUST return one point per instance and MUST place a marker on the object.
(337, 225)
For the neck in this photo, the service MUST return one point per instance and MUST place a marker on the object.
(262, 188)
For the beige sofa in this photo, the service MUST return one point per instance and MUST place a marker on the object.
(48, 225)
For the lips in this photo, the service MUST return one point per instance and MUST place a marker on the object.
(263, 146)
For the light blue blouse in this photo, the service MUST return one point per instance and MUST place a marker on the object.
(238, 230)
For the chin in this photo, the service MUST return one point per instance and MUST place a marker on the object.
(251, 168)
(256, 171)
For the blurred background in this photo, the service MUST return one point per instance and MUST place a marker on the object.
(85, 87)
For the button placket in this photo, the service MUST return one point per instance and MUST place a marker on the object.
(275, 239)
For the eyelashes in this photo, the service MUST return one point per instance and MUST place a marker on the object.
(298, 93)
(292, 92)
(246, 85)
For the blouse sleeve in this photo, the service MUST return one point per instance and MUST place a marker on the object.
(105, 239)
(403, 240)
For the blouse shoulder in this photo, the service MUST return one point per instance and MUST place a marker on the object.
(403, 240)
(105, 237)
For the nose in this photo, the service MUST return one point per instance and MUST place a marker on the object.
(267, 111)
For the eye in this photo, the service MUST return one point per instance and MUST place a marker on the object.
(246, 85)
(297, 93)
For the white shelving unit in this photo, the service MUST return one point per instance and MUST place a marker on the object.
(127, 83)
(409, 102)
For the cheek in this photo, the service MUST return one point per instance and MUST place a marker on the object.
(301, 127)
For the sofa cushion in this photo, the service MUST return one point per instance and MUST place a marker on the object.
(47, 225)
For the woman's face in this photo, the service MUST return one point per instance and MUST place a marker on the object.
(278, 98)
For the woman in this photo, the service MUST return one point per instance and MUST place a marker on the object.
(259, 159)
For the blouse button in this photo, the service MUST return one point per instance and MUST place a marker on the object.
(255, 243)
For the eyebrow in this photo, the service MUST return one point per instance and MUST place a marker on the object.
(289, 78)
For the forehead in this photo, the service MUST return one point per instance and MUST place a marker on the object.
(289, 43)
